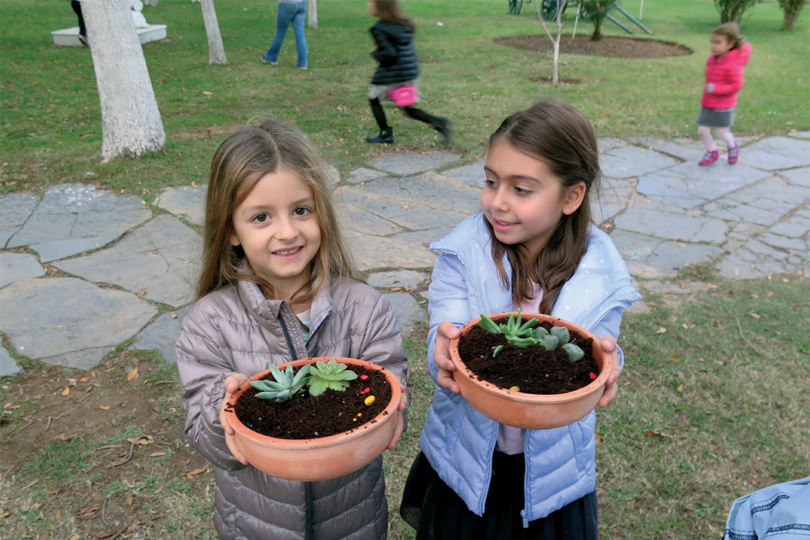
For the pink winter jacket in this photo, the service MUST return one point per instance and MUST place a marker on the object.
(236, 329)
(726, 75)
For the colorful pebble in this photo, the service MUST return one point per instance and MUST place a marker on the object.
(592, 376)
(363, 377)
(369, 400)
(515, 389)
(365, 391)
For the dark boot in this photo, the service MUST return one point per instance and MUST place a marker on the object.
(442, 125)
(386, 136)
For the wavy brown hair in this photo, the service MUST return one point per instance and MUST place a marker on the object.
(391, 11)
(563, 138)
(731, 31)
(238, 164)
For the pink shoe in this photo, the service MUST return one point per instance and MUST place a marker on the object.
(733, 154)
(709, 157)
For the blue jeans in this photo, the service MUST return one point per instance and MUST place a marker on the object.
(287, 13)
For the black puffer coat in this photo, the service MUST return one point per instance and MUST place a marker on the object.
(395, 53)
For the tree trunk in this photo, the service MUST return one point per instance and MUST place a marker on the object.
(555, 74)
(312, 13)
(130, 119)
(790, 20)
(216, 51)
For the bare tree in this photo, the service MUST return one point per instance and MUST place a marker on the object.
(130, 119)
(312, 13)
(555, 77)
(216, 51)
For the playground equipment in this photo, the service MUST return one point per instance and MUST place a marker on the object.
(547, 9)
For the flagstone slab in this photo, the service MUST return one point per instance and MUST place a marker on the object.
(764, 203)
(397, 278)
(798, 177)
(776, 153)
(8, 366)
(427, 236)
(379, 252)
(68, 321)
(650, 257)
(160, 261)
(161, 335)
(405, 163)
(77, 211)
(632, 161)
(356, 218)
(15, 209)
(615, 196)
(184, 201)
(472, 174)
(800, 134)
(364, 175)
(60, 249)
(408, 311)
(407, 214)
(18, 266)
(689, 151)
(688, 185)
(672, 226)
(607, 143)
(431, 190)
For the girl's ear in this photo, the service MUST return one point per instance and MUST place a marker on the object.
(574, 196)
(233, 239)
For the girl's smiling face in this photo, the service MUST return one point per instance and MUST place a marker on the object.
(720, 45)
(278, 230)
(523, 200)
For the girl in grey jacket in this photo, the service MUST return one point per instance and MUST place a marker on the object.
(276, 285)
(532, 247)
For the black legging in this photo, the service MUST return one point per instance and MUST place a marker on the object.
(412, 112)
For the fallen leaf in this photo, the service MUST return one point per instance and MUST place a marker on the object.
(84, 379)
(755, 295)
(104, 407)
(156, 454)
(173, 315)
(674, 357)
(132, 374)
(754, 315)
(143, 292)
(680, 388)
(661, 330)
(681, 245)
(54, 491)
(598, 438)
(4, 515)
(207, 93)
(64, 437)
(44, 536)
(103, 534)
(10, 406)
(190, 475)
(142, 440)
(75, 537)
(59, 516)
(66, 391)
(657, 434)
(129, 499)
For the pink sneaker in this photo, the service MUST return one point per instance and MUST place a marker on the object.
(733, 154)
(709, 157)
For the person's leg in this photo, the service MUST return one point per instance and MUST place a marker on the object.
(300, 39)
(731, 144)
(442, 125)
(386, 133)
(77, 7)
(712, 154)
(285, 15)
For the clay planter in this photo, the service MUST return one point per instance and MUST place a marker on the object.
(322, 458)
(524, 410)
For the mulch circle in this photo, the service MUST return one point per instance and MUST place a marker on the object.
(534, 370)
(610, 46)
(308, 417)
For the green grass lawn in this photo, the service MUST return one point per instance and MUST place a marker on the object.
(51, 129)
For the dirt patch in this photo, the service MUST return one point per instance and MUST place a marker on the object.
(610, 46)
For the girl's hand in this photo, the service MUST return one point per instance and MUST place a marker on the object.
(403, 402)
(611, 389)
(441, 356)
(231, 384)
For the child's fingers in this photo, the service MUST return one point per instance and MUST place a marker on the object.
(445, 379)
(608, 345)
(398, 431)
(441, 352)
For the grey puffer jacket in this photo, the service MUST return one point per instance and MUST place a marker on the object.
(237, 330)
(395, 52)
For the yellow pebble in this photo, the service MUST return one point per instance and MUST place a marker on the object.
(515, 389)
(369, 400)
(359, 414)
(354, 419)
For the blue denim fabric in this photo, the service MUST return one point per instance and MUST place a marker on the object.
(287, 13)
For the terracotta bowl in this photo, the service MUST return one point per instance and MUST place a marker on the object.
(531, 411)
(323, 458)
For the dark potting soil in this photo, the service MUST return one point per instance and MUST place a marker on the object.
(307, 417)
(534, 370)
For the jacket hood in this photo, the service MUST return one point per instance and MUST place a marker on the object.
(740, 55)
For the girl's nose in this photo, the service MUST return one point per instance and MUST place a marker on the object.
(500, 200)
(285, 229)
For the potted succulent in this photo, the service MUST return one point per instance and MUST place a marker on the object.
(315, 418)
(503, 359)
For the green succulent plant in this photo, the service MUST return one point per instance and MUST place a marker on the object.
(524, 334)
(331, 374)
(285, 385)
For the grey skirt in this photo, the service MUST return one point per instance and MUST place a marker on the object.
(720, 118)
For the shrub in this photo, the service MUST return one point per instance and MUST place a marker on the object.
(791, 9)
(596, 11)
(733, 10)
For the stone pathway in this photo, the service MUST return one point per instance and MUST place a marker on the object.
(84, 270)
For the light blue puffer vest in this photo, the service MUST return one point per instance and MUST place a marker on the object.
(458, 440)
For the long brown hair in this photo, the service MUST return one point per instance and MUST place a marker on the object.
(238, 165)
(563, 138)
(391, 11)
(731, 31)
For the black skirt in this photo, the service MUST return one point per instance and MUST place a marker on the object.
(437, 513)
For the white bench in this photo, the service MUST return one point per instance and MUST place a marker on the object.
(69, 37)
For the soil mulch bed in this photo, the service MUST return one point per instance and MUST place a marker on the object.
(611, 46)
(534, 370)
(308, 417)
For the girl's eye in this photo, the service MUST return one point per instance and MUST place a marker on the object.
(489, 183)
(261, 218)
(301, 211)
(521, 191)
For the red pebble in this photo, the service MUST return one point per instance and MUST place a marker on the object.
(365, 391)
(363, 377)
(592, 375)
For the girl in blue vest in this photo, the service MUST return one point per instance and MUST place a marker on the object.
(534, 247)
